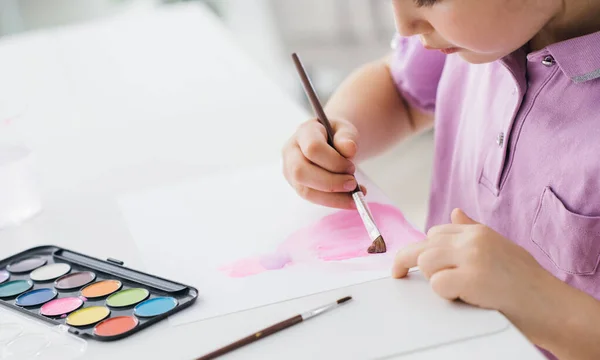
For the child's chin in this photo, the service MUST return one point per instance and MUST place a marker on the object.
(475, 58)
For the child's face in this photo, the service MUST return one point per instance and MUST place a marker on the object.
(478, 30)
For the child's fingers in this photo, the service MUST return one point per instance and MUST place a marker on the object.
(460, 217)
(435, 259)
(312, 140)
(364, 189)
(309, 175)
(345, 138)
(346, 146)
(445, 229)
(447, 283)
(333, 200)
(406, 258)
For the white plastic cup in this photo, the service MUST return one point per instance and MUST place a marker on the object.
(19, 193)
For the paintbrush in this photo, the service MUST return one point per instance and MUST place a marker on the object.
(378, 244)
(273, 329)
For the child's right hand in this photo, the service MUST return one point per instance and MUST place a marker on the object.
(318, 172)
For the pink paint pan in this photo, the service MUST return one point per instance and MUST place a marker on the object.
(60, 307)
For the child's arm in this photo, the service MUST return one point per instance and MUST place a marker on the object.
(369, 100)
(569, 327)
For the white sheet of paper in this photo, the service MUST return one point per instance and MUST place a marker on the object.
(187, 231)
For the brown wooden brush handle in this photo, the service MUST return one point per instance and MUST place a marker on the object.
(316, 104)
(314, 99)
(254, 337)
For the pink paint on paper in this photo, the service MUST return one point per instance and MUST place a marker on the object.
(336, 237)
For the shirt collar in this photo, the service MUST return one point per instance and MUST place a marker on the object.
(578, 58)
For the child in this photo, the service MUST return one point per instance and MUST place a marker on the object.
(512, 88)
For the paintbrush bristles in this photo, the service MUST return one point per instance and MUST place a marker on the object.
(343, 300)
(378, 246)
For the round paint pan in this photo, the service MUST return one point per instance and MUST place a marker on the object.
(88, 316)
(155, 306)
(101, 288)
(26, 265)
(60, 307)
(35, 297)
(74, 280)
(127, 297)
(14, 288)
(4, 275)
(50, 272)
(116, 326)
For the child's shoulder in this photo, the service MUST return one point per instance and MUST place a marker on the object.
(409, 51)
(416, 71)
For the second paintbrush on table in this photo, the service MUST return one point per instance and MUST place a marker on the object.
(273, 329)
(378, 244)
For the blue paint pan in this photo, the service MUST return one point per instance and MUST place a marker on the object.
(155, 306)
(35, 297)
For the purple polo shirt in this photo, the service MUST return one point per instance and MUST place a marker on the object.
(517, 146)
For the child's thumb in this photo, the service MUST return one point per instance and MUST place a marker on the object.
(345, 141)
(459, 217)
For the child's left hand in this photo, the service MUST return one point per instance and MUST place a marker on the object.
(471, 262)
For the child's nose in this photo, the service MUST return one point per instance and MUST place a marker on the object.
(408, 22)
(413, 27)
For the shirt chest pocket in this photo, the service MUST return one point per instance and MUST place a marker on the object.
(570, 240)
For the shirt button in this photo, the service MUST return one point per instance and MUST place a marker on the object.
(500, 139)
(514, 91)
(548, 61)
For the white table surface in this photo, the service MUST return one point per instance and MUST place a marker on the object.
(146, 99)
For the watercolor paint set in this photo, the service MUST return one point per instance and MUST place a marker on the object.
(85, 296)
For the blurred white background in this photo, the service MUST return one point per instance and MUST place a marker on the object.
(332, 37)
